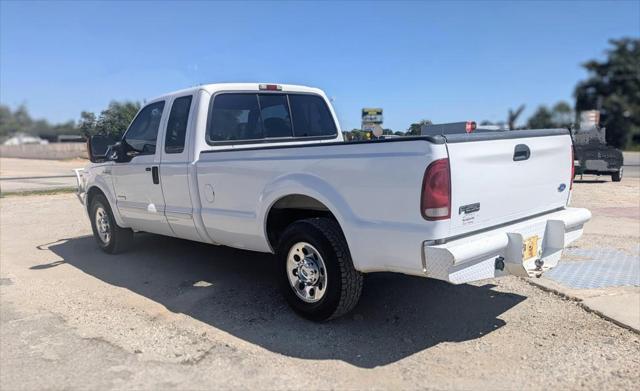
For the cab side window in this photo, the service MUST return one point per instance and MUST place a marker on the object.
(177, 125)
(143, 132)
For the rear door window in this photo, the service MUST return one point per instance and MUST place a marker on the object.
(177, 125)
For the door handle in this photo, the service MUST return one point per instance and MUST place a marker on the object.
(154, 174)
(521, 152)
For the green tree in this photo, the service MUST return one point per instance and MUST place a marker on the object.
(87, 123)
(562, 115)
(353, 135)
(542, 118)
(415, 129)
(115, 119)
(559, 116)
(51, 132)
(20, 121)
(6, 122)
(23, 120)
(613, 87)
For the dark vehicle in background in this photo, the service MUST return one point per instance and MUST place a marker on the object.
(592, 155)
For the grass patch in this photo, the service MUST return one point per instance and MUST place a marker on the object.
(60, 190)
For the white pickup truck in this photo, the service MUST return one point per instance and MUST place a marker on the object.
(263, 167)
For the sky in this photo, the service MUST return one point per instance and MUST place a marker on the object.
(444, 61)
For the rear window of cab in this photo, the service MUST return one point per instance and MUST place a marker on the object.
(259, 117)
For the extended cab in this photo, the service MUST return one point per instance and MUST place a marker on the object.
(263, 167)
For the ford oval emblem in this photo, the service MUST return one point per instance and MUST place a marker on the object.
(561, 187)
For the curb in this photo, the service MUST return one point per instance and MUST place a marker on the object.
(550, 287)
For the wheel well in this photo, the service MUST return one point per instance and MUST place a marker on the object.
(93, 191)
(289, 209)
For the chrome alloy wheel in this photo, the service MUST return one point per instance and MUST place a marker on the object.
(102, 224)
(307, 272)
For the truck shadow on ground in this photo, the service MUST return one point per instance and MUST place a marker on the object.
(235, 291)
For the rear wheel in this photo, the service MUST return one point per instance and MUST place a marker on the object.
(110, 237)
(315, 271)
(617, 176)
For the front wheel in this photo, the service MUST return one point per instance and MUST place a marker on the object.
(315, 271)
(109, 235)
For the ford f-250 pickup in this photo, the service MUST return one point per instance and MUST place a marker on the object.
(263, 167)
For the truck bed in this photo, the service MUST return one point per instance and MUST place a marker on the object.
(373, 188)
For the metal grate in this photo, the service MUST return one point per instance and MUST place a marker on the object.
(606, 267)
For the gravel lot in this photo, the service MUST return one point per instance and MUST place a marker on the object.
(172, 314)
(18, 175)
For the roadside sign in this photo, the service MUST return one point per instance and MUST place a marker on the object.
(368, 127)
(372, 115)
(374, 129)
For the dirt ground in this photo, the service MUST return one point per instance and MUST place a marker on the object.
(10, 167)
(19, 175)
(615, 209)
(172, 314)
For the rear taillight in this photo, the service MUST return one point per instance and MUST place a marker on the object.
(470, 126)
(573, 167)
(435, 203)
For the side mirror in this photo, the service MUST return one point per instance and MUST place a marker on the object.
(120, 152)
(98, 145)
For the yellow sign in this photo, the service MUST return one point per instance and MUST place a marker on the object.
(371, 116)
(369, 111)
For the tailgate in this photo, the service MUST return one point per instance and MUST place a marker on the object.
(498, 178)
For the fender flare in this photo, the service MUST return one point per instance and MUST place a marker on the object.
(103, 188)
(310, 186)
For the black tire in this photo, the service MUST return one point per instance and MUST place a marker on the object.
(344, 282)
(120, 238)
(617, 176)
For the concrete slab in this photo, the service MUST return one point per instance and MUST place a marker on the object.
(622, 309)
(620, 305)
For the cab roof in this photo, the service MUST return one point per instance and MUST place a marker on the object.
(217, 87)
